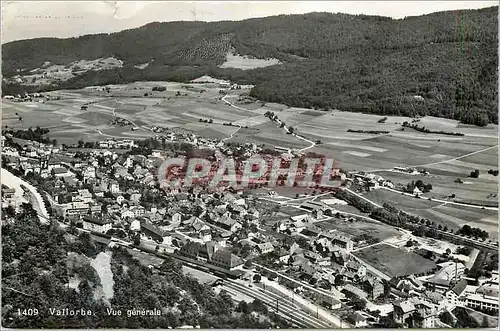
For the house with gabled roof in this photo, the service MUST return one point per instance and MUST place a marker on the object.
(454, 295)
(264, 248)
(373, 287)
(208, 250)
(223, 258)
(229, 224)
(152, 232)
(191, 250)
(358, 320)
(403, 310)
(97, 224)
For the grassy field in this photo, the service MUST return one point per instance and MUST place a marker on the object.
(452, 216)
(445, 157)
(246, 63)
(356, 228)
(394, 261)
(355, 151)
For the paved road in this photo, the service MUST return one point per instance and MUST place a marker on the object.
(234, 106)
(34, 197)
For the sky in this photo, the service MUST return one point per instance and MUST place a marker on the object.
(63, 19)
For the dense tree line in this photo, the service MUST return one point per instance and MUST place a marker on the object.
(425, 130)
(354, 200)
(354, 63)
(467, 230)
(30, 134)
(368, 131)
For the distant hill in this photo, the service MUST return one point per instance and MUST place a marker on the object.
(348, 62)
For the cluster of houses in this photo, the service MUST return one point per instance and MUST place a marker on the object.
(112, 143)
(368, 180)
(27, 97)
(424, 300)
(411, 170)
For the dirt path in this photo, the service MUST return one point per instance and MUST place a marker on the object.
(232, 134)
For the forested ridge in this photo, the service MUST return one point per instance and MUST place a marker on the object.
(348, 62)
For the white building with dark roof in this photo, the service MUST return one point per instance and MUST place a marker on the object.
(97, 224)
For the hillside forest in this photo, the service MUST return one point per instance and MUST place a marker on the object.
(356, 63)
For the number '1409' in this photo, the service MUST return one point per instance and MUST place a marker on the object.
(28, 312)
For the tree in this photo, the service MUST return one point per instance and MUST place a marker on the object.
(446, 318)
(339, 280)
(10, 211)
(258, 306)
(475, 174)
(257, 278)
(248, 264)
(484, 323)
(388, 322)
(387, 288)
(243, 307)
(359, 304)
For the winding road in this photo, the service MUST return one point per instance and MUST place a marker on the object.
(35, 198)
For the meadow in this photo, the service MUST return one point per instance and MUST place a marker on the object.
(359, 227)
(451, 216)
(394, 261)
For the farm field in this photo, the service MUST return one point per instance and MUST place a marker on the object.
(394, 261)
(451, 216)
(246, 63)
(477, 189)
(183, 105)
(357, 228)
